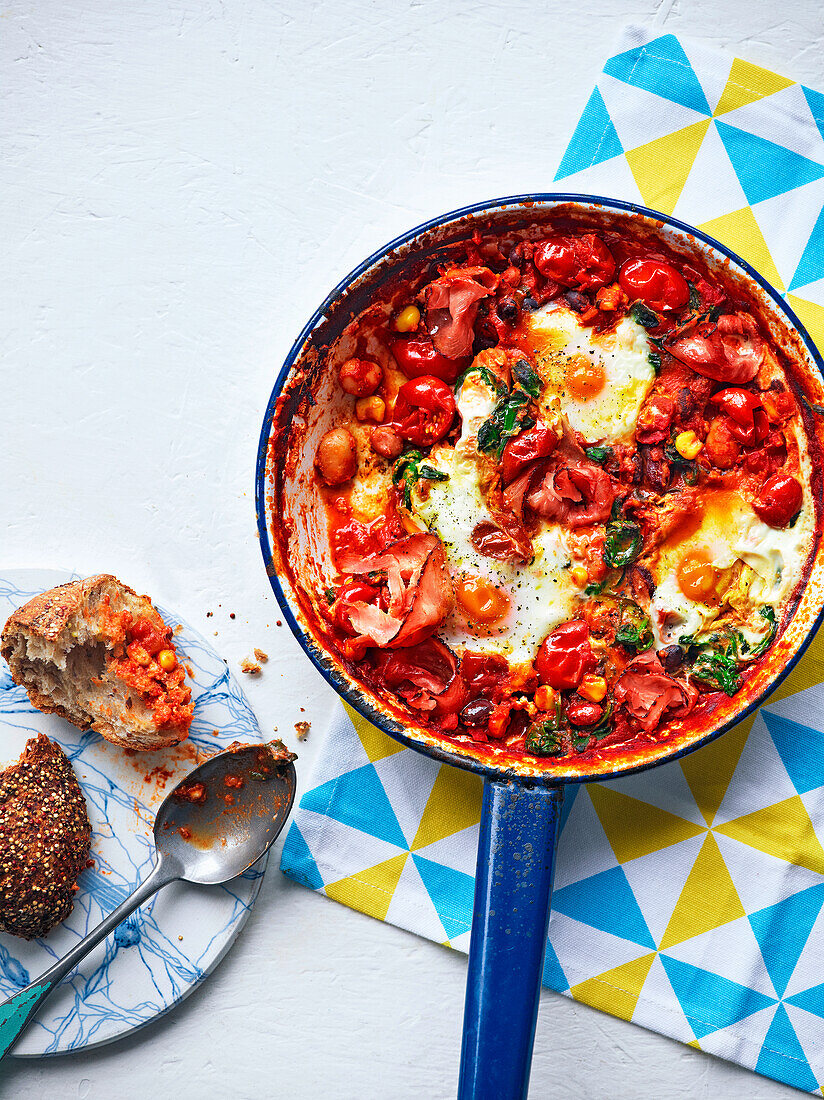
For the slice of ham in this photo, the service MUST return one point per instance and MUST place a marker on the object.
(731, 350)
(420, 591)
(649, 693)
(577, 494)
(425, 675)
(452, 306)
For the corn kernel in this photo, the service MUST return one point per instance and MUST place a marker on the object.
(370, 408)
(579, 576)
(408, 319)
(544, 698)
(593, 688)
(139, 655)
(688, 444)
(166, 659)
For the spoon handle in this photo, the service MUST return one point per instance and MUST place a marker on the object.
(17, 1010)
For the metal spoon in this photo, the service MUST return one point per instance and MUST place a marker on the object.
(206, 831)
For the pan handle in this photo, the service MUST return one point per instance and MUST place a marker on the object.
(516, 860)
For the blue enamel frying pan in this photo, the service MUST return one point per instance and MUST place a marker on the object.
(522, 798)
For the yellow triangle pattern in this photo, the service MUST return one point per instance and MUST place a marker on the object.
(616, 991)
(454, 803)
(370, 890)
(708, 771)
(811, 315)
(739, 230)
(376, 743)
(694, 1043)
(708, 900)
(748, 83)
(636, 828)
(783, 830)
(661, 167)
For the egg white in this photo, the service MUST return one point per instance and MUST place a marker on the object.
(541, 592)
(557, 336)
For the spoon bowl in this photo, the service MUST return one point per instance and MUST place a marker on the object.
(225, 814)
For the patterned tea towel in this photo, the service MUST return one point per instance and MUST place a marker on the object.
(689, 898)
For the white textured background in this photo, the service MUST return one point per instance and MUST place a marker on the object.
(182, 181)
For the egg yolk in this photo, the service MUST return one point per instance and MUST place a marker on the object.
(585, 377)
(481, 600)
(696, 575)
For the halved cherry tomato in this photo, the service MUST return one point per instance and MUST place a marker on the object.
(747, 419)
(538, 442)
(417, 357)
(584, 261)
(779, 500)
(657, 284)
(565, 656)
(424, 410)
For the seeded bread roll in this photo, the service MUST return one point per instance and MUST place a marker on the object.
(99, 655)
(44, 839)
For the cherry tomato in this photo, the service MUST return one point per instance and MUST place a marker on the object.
(424, 410)
(565, 656)
(657, 284)
(747, 419)
(779, 500)
(417, 357)
(585, 261)
(482, 674)
(538, 442)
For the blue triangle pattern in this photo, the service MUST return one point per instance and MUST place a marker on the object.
(811, 1000)
(594, 141)
(709, 1001)
(554, 977)
(815, 101)
(782, 1056)
(605, 901)
(357, 798)
(297, 861)
(452, 893)
(765, 169)
(811, 265)
(661, 67)
(800, 751)
(783, 929)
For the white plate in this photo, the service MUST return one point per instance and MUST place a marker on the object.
(170, 944)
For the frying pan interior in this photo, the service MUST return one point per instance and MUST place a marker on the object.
(522, 797)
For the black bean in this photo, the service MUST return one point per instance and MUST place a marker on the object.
(529, 304)
(507, 309)
(577, 301)
(671, 657)
(477, 712)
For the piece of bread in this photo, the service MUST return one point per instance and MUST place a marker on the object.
(44, 839)
(95, 652)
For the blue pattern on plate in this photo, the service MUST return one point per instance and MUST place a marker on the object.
(170, 944)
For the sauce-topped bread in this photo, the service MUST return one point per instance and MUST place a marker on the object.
(96, 653)
(44, 839)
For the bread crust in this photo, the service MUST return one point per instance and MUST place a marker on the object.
(47, 618)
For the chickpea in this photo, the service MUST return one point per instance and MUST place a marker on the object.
(360, 377)
(337, 456)
(386, 442)
(370, 408)
(722, 449)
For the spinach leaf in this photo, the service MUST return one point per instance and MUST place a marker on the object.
(409, 468)
(508, 419)
(622, 544)
(766, 612)
(695, 297)
(599, 454)
(611, 581)
(655, 361)
(687, 467)
(527, 378)
(645, 316)
(486, 375)
(543, 738)
(634, 629)
(716, 668)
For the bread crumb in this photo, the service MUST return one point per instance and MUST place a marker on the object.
(231, 614)
(279, 623)
(209, 614)
(261, 656)
(180, 937)
(248, 666)
(302, 729)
